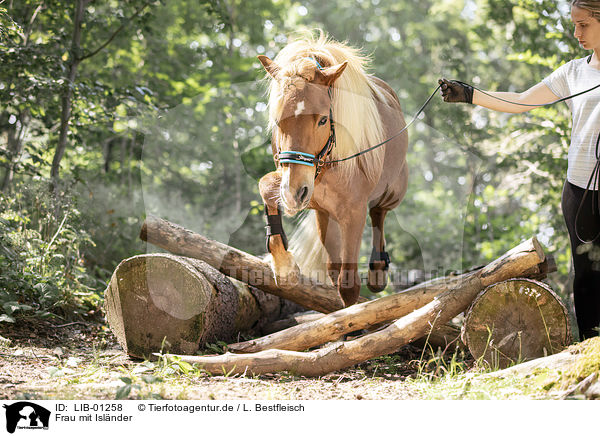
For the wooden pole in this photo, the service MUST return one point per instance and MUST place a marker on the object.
(238, 264)
(360, 316)
(356, 317)
(403, 331)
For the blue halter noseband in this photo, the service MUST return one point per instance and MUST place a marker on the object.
(297, 157)
(308, 159)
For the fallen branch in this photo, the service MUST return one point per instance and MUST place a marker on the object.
(360, 316)
(405, 330)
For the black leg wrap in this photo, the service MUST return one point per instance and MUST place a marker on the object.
(378, 256)
(275, 227)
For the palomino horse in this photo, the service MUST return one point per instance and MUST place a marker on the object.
(323, 108)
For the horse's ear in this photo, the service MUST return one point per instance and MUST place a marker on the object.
(331, 74)
(271, 67)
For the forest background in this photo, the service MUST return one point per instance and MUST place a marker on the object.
(111, 110)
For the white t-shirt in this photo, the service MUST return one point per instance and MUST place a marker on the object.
(573, 77)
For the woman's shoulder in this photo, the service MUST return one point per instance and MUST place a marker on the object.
(571, 67)
(575, 64)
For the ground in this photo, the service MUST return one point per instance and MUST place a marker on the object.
(83, 361)
(40, 360)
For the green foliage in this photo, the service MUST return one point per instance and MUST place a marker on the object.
(42, 271)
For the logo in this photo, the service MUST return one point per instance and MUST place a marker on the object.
(26, 415)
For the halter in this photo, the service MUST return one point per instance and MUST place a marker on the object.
(308, 159)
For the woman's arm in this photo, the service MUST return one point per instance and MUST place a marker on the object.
(457, 92)
(537, 94)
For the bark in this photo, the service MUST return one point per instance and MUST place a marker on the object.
(444, 337)
(360, 316)
(388, 340)
(238, 264)
(185, 301)
(292, 321)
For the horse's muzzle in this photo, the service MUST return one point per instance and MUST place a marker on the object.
(294, 201)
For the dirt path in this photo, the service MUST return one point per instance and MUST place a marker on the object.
(83, 361)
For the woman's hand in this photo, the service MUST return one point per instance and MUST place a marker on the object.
(454, 91)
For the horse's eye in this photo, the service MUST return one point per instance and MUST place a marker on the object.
(323, 121)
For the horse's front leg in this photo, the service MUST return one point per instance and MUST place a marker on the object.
(284, 268)
(348, 282)
(331, 237)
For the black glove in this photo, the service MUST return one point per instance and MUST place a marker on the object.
(454, 91)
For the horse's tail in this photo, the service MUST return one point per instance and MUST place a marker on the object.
(308, 250)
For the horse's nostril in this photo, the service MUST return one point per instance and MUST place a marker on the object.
(302, 194)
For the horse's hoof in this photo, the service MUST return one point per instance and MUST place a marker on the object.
(377, 280)
(349, 295)
(288, 277)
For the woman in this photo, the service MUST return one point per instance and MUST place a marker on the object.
(581, 187)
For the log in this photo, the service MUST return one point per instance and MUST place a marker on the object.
(238, 264)
(516, 320)
(184, 301)
(360, 316)
(443, 337)
(388, 340)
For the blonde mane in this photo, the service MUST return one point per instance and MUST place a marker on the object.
(355, 95)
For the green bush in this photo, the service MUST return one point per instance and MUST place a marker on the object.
(42, 271)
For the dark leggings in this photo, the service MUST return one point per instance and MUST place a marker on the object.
(586, 286)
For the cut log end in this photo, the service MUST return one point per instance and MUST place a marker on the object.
(538, 249)
(516, 320)
(144, 232)
(154, 297)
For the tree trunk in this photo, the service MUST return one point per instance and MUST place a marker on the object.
(388, 340)
(292, 321)
(65, 102)
(76, 57)
(238, 264)
(15, 136)
(444, 337)
(157, 296)
(518, 319)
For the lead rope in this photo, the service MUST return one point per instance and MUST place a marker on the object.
(391, 137)
(429, 100)
(595, 182)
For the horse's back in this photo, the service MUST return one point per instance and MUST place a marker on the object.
(393, 182)
(390, 97)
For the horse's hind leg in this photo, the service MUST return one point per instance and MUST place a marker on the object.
(284, 268)
(380, 260)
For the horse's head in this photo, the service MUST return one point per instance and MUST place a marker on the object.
(302, 126)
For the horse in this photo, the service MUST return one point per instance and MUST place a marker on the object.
(325, 113)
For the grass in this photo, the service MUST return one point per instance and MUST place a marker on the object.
(447, 377)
